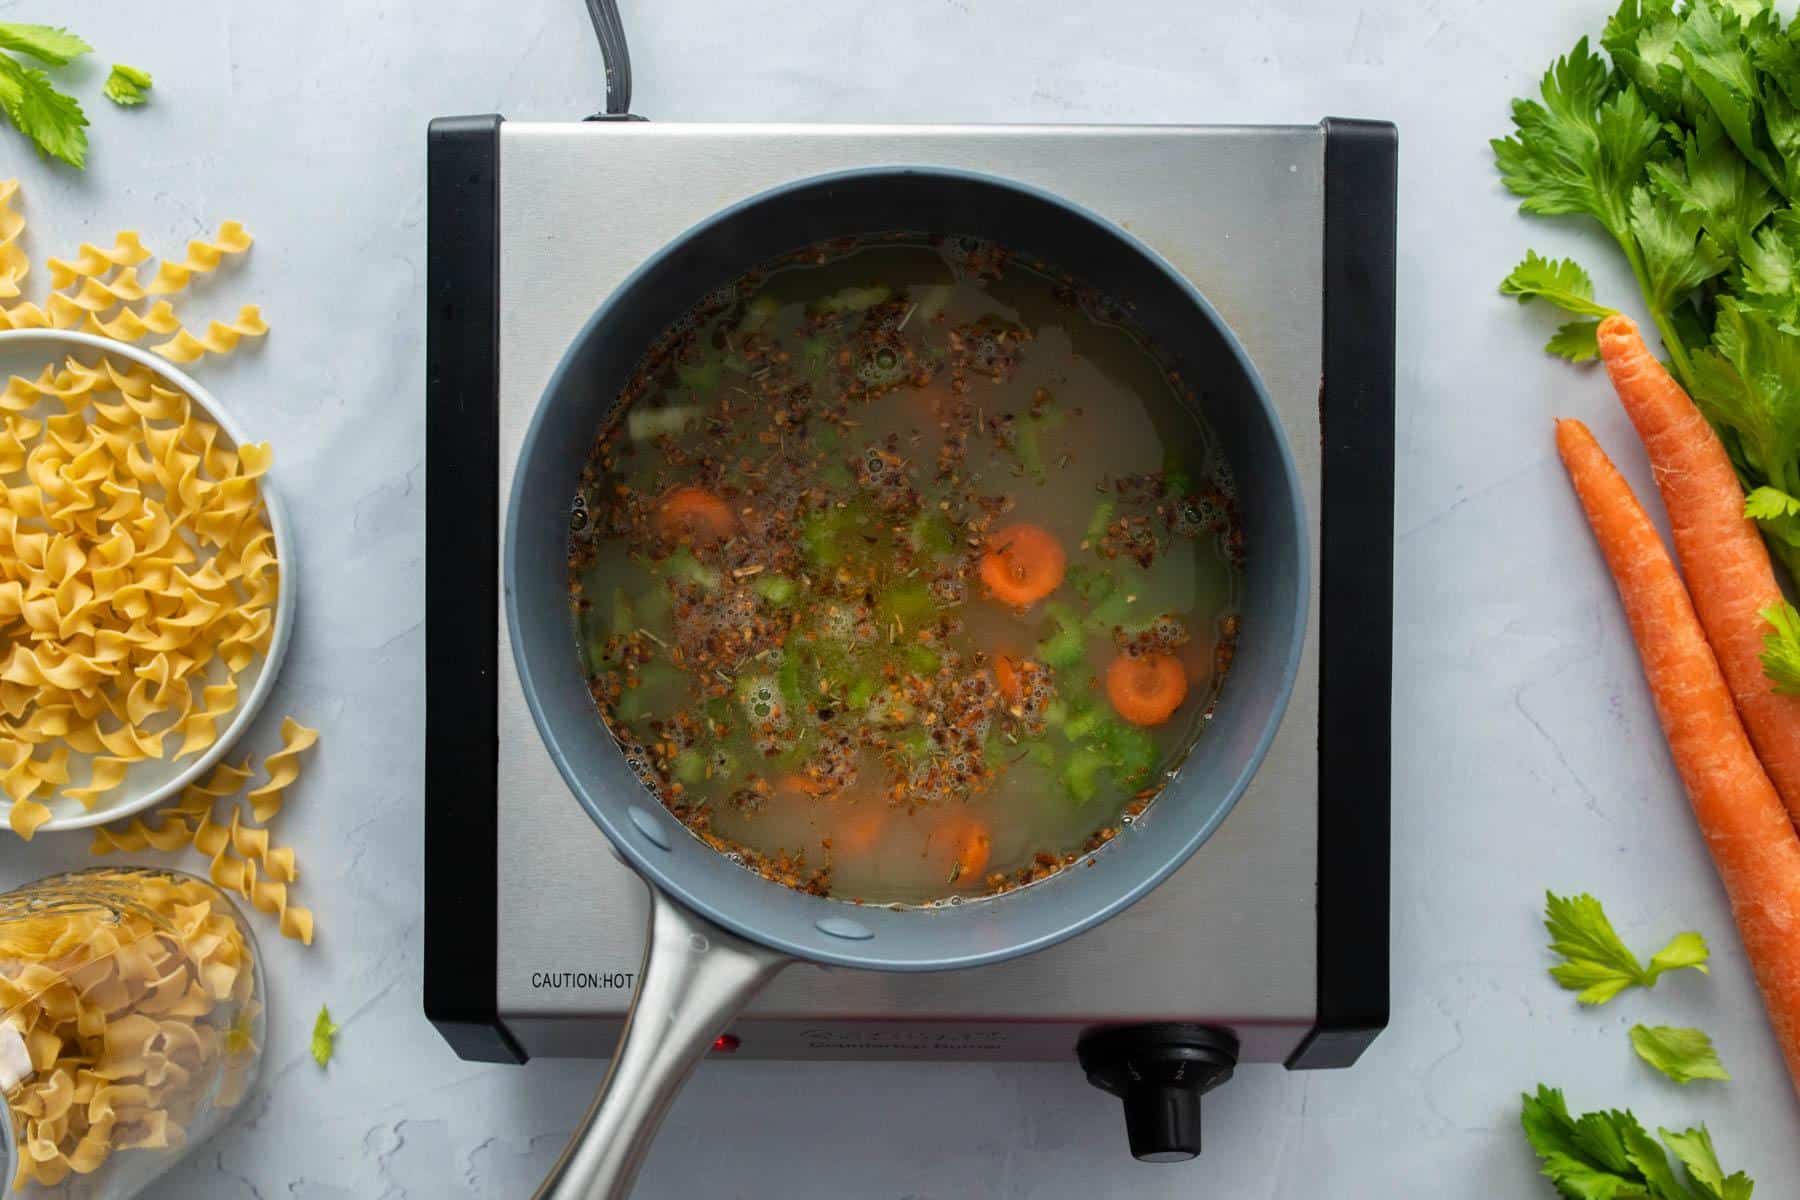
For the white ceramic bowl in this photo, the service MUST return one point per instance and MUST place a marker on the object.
(152, 781)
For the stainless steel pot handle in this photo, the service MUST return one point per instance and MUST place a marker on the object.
(695, 978)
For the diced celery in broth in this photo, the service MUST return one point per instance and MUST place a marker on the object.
(806, 666)
(648, 424)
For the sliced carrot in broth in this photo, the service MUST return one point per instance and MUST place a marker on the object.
(1006, 678)
(963, 845)
(1146, 689)
(1022, 565)
(860, 831)
(693, 514)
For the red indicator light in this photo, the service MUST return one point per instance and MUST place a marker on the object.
(725, 1043)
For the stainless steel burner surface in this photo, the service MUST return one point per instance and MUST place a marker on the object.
(1231, 938)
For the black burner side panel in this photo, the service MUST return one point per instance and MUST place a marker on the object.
(1356, 597)
(462, 585)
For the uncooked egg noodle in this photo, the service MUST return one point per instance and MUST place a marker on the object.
(116, 1019)
(102, 279)
(137, 567)
(138, 574)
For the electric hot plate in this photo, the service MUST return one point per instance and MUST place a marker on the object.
(1269, 946)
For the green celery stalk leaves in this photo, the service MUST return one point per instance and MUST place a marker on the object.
(1680, 137)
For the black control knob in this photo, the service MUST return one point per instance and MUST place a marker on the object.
(1160, 1071)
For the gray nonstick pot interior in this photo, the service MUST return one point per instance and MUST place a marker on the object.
(1165, 306)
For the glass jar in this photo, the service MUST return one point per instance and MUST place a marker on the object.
(131, 1022)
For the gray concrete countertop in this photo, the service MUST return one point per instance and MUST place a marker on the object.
(1526, 752)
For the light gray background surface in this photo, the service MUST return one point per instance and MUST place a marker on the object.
(1527, 754)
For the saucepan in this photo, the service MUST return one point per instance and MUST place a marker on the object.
(719, 932)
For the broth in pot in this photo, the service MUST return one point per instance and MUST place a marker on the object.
(904, 572)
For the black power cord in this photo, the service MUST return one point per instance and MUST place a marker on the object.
(617, 58)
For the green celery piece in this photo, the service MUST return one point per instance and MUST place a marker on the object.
(54, 122)
(690, 767)
(127, 87)
(1092, 583)
(646, 424)
(1096, 526)
(1683, 1055)
(815, 357)
(594, 643)
(653, 608)
(930, 533)
(1067, 646)
(862, 691)
(787, 678)
(1748, 384)
(776, 589)
(914, 744)
(1712, 180)
(1125, 605)
(820, 658)
(1081, 773)
(1082, 723)
(623, 619)
(922, 660)
(1056, 713)
(1575, 341)
(683, 567)
(1770, 504)
(1029, 445)
(1610, 1156)
(49, 44)
(1776, 513)
(818, 539)
(701, 377)
(1777, 58)
(1596, 962)
(1768, 276)
(631, 708)
(1694, 1149)
(1559, 281)
(758, 313)
(1130, 752)
(1712, 46)
(853, 299)
(1030, 450)
(1781, 648)
(324, 1036)
(1563, 283)
(1678, 255)
(1582, 148)
(1177, 481)
(1640, 38)
(911, 602)
(659, 689)
(824, 535)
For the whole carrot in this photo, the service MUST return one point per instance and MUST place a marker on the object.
(1753, 844)
(1727, 566)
